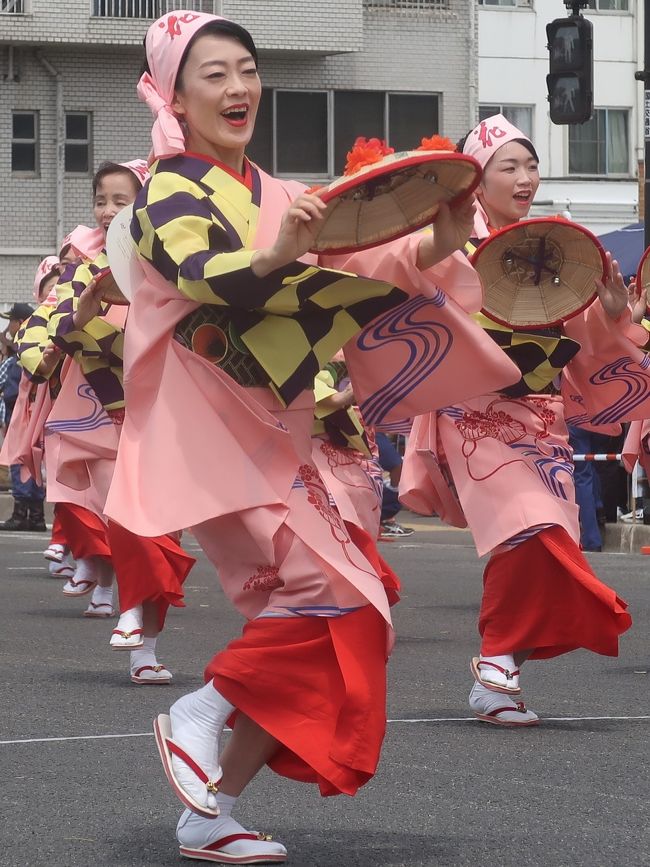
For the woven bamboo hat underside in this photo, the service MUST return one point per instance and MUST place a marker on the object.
(398, 195)
(539, 272)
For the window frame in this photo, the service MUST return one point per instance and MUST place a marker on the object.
(598, 11)
(417, 7)
(76, 141)
(331, 98)
(499, 6)
(113, 4)
(606, 174)
(507, 105)
(36, 142)
(319, 176)
(25, 10)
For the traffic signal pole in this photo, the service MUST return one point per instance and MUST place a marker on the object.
(645, 78)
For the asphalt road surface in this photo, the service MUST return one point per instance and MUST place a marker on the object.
(82, 784)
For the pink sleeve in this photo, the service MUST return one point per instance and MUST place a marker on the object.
(608, 381)
(396, 263)
(422, 486)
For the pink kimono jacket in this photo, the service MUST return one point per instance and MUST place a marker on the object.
(502, 465)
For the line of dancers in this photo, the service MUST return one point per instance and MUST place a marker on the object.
(219, 400)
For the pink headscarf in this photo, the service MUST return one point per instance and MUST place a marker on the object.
(489, 135)
(45, 269)
(165, 43)
(140, 169)
(482, 143)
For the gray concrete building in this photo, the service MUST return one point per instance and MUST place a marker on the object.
(331, 70)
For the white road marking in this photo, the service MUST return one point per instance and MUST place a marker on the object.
(441, 719)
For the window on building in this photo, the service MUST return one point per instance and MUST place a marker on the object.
(304, 154)
(417, 5)
(78, 157)
(411, 117)
(520, 116)
(15, 7)
(356, 113)
(506, 3)
(329, 123)
(609, 5)
(24, 141)
(601, 146)
(129, 8)
(260, 148)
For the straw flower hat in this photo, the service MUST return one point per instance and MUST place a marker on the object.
(539, 272)
(383, 195)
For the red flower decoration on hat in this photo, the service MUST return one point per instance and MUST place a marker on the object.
(437, 143)
(366, 152)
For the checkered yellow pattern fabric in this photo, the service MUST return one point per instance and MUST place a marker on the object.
(32, 338)
(98, 347)
(343, 426)
(195, 223)
(540, 354)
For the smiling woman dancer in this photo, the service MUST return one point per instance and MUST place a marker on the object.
(540, 595)
(228, 326)
(149, 572)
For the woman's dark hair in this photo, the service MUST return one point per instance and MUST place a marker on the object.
(214, 28)
(111, 168)
(460, 144)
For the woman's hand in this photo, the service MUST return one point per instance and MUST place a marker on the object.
(51, 356)
(451, 231)
(89, 305)
(300, 223)
(612, 292)
(340, 400)
(638, 300)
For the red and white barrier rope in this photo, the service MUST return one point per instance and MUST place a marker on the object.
(608, 457)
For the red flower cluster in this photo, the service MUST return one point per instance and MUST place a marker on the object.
(437, 143)
(366, 152)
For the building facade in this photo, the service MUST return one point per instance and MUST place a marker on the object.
(397, 69)
(589, 170)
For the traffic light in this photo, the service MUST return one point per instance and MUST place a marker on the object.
(571, 69)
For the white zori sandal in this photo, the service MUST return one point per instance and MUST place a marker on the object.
(167, 748)
(128, 634)
(496, 677)
(500, 710)
(225, 841)
(151, 675)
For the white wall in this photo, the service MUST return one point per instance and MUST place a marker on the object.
(513, 63)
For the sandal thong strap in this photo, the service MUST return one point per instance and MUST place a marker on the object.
(233, 838)
(96, 605)
(87, 582)
(155, 668)
(520, 708)
(211, 785)
(123, 634)
(508, 674)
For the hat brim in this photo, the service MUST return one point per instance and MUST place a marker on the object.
(391, 198)
(539, 272)
(643, 271)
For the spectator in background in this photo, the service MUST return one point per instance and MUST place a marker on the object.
(587, 488)
(390, 461)
(28, 496)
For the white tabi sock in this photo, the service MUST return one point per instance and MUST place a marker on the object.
(493, 675)
(197, 720)
(102, 596)
(145, 655)
(130, 620)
